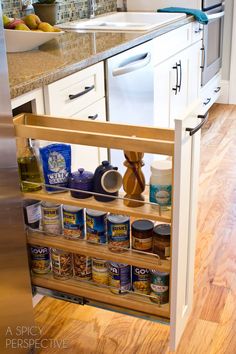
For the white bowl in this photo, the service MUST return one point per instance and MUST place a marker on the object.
(22, 41)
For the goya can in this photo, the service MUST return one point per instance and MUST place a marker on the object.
(40, 259)
(160, 287)
(118, 232)
(61, 264)
(82, 266)
(73, 222)
(51, 218)
(96, 229)
(99, 271)
(119, 277)
(141, 280)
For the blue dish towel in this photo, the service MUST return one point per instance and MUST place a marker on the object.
(199, 15)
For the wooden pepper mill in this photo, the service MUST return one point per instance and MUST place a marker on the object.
(133, 180)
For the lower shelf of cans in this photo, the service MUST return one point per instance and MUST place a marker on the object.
(91, 291)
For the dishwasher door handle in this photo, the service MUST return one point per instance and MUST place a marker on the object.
(133, 65)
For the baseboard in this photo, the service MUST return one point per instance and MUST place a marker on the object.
(36, 299)
(224, 95)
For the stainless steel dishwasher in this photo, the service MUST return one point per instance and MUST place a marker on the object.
(130, 93)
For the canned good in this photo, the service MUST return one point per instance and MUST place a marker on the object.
(118, 232)
(119, 277)
(82, 266)
(141, 280)
(51, 218)
(96, 226)
(61, 264)
(32, 213)
(40, 259)
(142, 235)
(160, 287)
(73, 221)
(99, 271)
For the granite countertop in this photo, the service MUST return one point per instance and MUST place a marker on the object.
(71, 52)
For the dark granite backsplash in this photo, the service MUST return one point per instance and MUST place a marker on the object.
(69, 10)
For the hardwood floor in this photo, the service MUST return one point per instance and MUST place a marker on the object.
(212, 326)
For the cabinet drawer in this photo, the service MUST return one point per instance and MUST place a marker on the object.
(210, 93)
(171, 43)
(196, 32)
(70, 95)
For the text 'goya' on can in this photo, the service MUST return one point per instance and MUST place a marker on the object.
(96, 229)
(82, 266)
(159, 287)
(40, 259)
(99, 271)
(61, 264)
(119, 277)
(51, 218)
(118, 232)
(141, 280)
(73, 222)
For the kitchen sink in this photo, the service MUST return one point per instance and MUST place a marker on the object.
(125, 21)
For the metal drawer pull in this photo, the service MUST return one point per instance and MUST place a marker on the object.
(199, 30)
(217, 89)
(203, 57)
(180, 75)
(199, 126)
(93, 117)
(177, 78)
(86, 90)
(207, 101)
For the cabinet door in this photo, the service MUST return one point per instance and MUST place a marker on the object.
(186, 171)
(194, 54)
(89, 157)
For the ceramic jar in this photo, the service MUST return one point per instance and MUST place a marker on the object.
(107, 180)
(82, 180)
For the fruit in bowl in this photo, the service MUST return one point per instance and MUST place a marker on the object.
(27, 33)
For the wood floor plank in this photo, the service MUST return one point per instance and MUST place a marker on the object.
(212, 326)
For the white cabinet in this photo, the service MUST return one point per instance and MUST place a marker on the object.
(32, 101)
(80, 95)
(177, 79)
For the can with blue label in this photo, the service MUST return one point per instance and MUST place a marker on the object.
(73, 222)
(118, 232)
(119, 277)
(141, 280)
(96, 226)
(160, 287)
(40, 259)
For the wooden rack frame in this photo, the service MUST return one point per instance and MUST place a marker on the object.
(108, 135)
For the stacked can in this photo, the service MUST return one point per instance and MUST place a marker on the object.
(82, 267)
(40, 259)
(99, 271)
(119, 277)
(51, 218)
(61, 264)
(73, 222)
(96, 227)
(118, 232)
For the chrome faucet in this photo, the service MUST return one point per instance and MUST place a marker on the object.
(92, 7)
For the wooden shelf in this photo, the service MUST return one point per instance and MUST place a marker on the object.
(99, 251)
(94, 292)
(116, 206)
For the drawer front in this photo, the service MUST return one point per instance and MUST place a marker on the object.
(72, 94)
(210, 93)
(171, 43)
(196, 32)
(89, 157)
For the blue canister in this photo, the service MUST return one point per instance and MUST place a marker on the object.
(118, 232)
(119, 277)
(82, 180)
(73, 222)
(96, 226)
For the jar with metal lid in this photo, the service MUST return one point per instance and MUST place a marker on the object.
(161, 240)
(161, 183)
(82, 180)
(142, 235)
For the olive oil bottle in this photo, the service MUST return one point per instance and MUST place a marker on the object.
(28, 168)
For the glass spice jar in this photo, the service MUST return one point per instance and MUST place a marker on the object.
(142, 235)
(161, 240)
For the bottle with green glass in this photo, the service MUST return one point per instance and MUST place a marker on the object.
(28, 168)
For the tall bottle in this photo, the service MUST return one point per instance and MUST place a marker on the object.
(28, 168)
